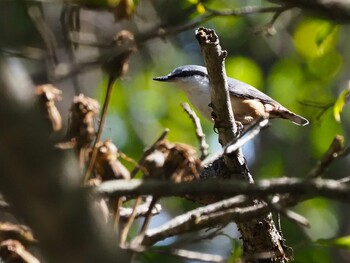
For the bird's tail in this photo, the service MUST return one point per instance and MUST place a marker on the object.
(286, 114)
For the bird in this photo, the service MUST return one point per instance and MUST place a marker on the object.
(248, 103)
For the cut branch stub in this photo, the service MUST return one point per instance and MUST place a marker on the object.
(258, 235)
(214, 58)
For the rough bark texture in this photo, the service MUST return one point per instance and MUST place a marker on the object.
(260, 236)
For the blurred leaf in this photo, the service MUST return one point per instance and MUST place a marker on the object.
(112, 2)
(322, 217)
(200, 8)
(284, 81)
(124, 9)
(340, 103)
(237, 251)
(321, 135)
(98, 4)
(244, 69)
(326, 66)
(273, 166)
(340, 242)
(324, 33)
(314, 37)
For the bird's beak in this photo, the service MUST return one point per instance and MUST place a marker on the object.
(162, 78)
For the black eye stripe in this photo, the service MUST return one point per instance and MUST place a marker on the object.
(185, 74)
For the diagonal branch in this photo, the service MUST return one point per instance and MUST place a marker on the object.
(198, 128)
(334, 151)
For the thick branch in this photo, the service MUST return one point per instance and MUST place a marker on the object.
(328, 188)
(214, 58)
(336, 10)
(258, 235)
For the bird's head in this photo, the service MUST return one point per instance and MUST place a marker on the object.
(190, 78)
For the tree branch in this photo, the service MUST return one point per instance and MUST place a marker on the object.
(258, 235)
(198, 128)
(328, 188)
(334, 151)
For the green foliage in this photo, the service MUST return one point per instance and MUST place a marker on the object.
(244, 69)
(340, 103)
(339, 242)
(284, 81)
(199, 6)
(321, 135)
(237, 252)
(309, 253)
(321, 217)
(326, 66)
(158, 257)
(303, 62)
(314, 38)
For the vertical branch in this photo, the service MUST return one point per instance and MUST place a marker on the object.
(260, 237)
(214, 58)
(199, 131)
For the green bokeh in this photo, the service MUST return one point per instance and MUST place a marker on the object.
(244, 69)
(284, 81)
(326, 66)
(314, 37)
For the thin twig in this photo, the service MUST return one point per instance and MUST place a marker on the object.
(45, 33)
(208, 15)
(69, 70)
(148, 216)
(199, 131)
(291, 215)
(142, 210)
(116, 217)
(246, 136)
(268, 28)
(330, 155)
(100, 128)
(69, 12)
(126, 229)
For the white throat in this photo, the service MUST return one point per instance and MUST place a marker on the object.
(197, 90)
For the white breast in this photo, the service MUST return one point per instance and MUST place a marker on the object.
(198, 92)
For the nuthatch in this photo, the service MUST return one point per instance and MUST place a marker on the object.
(248, 103)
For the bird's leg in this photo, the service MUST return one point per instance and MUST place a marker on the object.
(240, 127)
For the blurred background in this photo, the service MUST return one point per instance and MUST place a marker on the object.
(302, 61)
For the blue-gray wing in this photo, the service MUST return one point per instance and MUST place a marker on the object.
(243, 90)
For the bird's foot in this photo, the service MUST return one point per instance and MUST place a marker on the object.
(239, 125)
